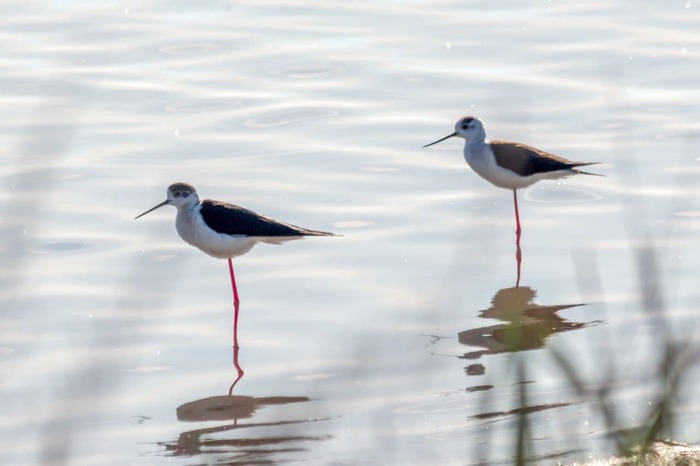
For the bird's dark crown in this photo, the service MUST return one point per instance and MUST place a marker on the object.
(181, 189)
(464, 122)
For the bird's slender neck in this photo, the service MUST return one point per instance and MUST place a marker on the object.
(188, 203)
(186, 210)
(186, 222)
(476, 143)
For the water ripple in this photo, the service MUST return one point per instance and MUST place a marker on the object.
(306, 71)
(66, 246)
(190, 49)
(560, 195)
(290, 115)
(202, 106)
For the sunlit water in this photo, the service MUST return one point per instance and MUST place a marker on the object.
(388, 344)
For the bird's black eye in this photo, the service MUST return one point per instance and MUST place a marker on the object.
(465, 126)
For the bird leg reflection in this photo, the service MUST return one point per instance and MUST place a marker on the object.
(518, 261)
(239, 370)
(517, 218)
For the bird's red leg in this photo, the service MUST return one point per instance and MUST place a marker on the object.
(517, 216)
(235, 294)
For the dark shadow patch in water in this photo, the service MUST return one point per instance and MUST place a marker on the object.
(520, 411)
(479, 388)
(289, 115)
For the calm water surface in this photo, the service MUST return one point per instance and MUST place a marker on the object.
(387, 345)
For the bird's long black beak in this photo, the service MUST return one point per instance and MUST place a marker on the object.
(440, 140)
(165, 202)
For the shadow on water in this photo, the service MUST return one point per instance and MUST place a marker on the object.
(230, 410)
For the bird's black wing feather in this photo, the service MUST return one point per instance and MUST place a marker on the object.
(539, 161)
(231, 219)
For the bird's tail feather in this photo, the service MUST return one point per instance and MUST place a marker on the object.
(321, 233)
(581, 172)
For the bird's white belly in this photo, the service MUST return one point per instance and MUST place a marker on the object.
(484, 164)
(194, 231)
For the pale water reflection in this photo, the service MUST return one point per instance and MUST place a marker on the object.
(315, 112)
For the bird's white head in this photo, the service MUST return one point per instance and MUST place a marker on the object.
(181, 195)
(468, 128)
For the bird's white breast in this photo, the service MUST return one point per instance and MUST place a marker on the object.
(192, 229)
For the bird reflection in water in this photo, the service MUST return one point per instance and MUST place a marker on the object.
(526, 325)
(230, 409)
(228, 441)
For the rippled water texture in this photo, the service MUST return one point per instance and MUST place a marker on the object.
(390, 344)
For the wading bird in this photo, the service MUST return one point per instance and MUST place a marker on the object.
(509, 165)
(225, 230)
